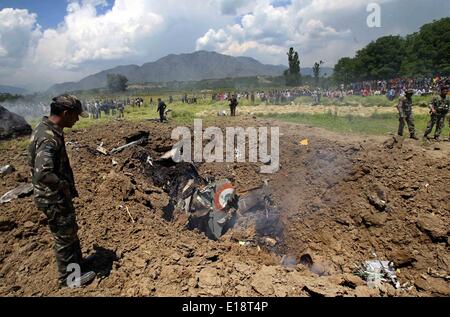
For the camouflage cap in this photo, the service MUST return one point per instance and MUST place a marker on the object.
(72, 103)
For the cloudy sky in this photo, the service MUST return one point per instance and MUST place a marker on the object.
(43, 42)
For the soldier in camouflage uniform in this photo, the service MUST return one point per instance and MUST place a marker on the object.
(54, 185)
(439, 109)
(405, 114)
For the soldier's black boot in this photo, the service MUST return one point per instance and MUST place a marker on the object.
(414, 137)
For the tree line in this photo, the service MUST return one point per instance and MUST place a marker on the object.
(424, 53)
(9, 97)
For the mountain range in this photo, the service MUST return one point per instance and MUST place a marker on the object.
(12, 90)
(195, 66)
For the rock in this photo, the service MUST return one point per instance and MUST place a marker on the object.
(408, 194)
(15, 288)
(192, 282)
(21, 178)
(176, 257)
(374, 220)
(28, 248)
(396, 141)
(262, 282)
(403, 258)
(12, 125)
(352, 281)
(388, 289)
(270, 242)
(28, 225)
(243, 291)
(242, 268)
(322, 288)
(375, 201)
(364, 291)
(434, 285)
(140, 263)
(6, 224)
(209, 278)
(212, 256)
(433, 227)
(319, 269)
(378, 197)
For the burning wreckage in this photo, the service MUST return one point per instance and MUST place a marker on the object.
(213, 206)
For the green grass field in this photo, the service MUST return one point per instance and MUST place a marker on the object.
(377, 124)
(184, 114)
(371, 101)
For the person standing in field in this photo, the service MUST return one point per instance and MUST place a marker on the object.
(405, 114)
(54, 185)
(161, 109)
(439, 108)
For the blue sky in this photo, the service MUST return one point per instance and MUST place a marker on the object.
(50, 12)
(281, 3)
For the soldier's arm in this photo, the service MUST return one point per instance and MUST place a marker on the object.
(400, 104)
(431, 106)
(44, 166)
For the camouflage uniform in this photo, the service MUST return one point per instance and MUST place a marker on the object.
(405, 114)
(442, 107)
(54, 189)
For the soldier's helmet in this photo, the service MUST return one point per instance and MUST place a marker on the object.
(71, 103)
(409, 92)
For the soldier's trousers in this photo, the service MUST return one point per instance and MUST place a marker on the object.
(161, 116)
(233, 111)
(64, 228)
(437, 119)
(408, 117)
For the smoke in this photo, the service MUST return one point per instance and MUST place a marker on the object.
(29, 107)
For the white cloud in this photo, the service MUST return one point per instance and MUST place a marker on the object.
(132, 31)
(268, 31)
(18, 32)
(85, 36)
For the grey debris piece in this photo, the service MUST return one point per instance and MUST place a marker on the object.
(7, 169)
(18, 192)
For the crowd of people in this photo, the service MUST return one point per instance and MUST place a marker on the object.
(115, 108)
(392, 89)
(396, 87)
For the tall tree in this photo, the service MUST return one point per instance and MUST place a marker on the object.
(316, 71)
(344, 71)
(293, 76)
(428, 51)
(117, 82)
